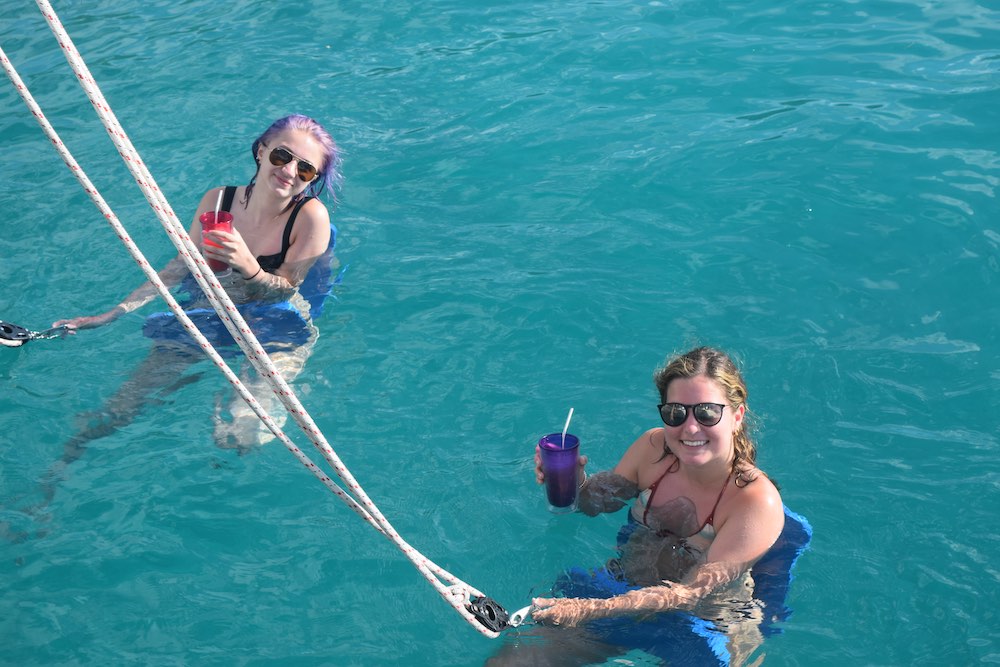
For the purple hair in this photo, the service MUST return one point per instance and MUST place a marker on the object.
(329, 177)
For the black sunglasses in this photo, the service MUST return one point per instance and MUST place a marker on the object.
(706, 414)
(280, 156)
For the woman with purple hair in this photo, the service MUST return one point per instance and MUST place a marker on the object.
(280, 229)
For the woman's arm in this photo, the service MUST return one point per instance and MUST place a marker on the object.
(639, 456)
(309, 240)
(610, 490)
(605, 491)
(664, 597)
(171, 275)
(744, 533)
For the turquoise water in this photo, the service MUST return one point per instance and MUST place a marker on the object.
(542, 201)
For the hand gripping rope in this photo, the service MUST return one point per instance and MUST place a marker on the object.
(488, 617)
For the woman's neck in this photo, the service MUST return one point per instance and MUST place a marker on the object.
(711, 474)
(264, 206)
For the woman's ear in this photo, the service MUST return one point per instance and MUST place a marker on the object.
(738, 417)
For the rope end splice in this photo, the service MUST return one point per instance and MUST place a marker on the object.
(489, 613)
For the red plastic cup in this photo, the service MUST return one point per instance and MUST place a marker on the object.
(209, 222)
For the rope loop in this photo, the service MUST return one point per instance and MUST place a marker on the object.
(479, 611)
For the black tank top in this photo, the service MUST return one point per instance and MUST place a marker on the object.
(269, 263)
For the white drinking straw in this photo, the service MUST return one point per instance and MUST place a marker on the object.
(566, 427)
(218, 205)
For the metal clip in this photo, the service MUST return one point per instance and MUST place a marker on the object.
(520, 616)
(13, 335)
(54, 332)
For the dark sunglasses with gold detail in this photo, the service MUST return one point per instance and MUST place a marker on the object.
(280, 156)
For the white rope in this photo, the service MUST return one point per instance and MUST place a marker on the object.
(456, 592)
(154, 279)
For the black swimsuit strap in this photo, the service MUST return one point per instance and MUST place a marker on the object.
(286, 239)
(229, 194)
(227, 198)
(278, 259)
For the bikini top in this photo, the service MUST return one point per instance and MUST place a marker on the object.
(707, 528)
(269, 263)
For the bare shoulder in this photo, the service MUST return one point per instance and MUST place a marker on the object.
(643, 452)
(210, 199)
(311, 232)
(315, 211)
(207, 203)
(748, 522)
(764, 493)
(758, 505)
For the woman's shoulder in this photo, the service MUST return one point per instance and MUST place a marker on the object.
(210, 197)
(310, 232)
(633, 459)
(747, 522)
(757, 493)
(216, 197)
(648, 443)
(646, 459)
(312, 219)
(314, 209)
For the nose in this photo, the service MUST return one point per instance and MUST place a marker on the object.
(690, 423)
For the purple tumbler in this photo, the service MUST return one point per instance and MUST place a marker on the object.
(560, 468)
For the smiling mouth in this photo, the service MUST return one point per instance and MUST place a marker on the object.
(694, 443)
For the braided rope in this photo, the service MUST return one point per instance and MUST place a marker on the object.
(161, 288)
(456, 592)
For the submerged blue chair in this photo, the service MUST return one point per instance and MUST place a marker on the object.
(680, 638)
(278, 326)
(772, 574)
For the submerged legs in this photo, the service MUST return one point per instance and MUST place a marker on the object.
(158, 376)
(245, 430)
(545, 646)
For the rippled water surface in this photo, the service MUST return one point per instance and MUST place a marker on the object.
(542, 200)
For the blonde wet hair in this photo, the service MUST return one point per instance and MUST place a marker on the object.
(719, 367)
